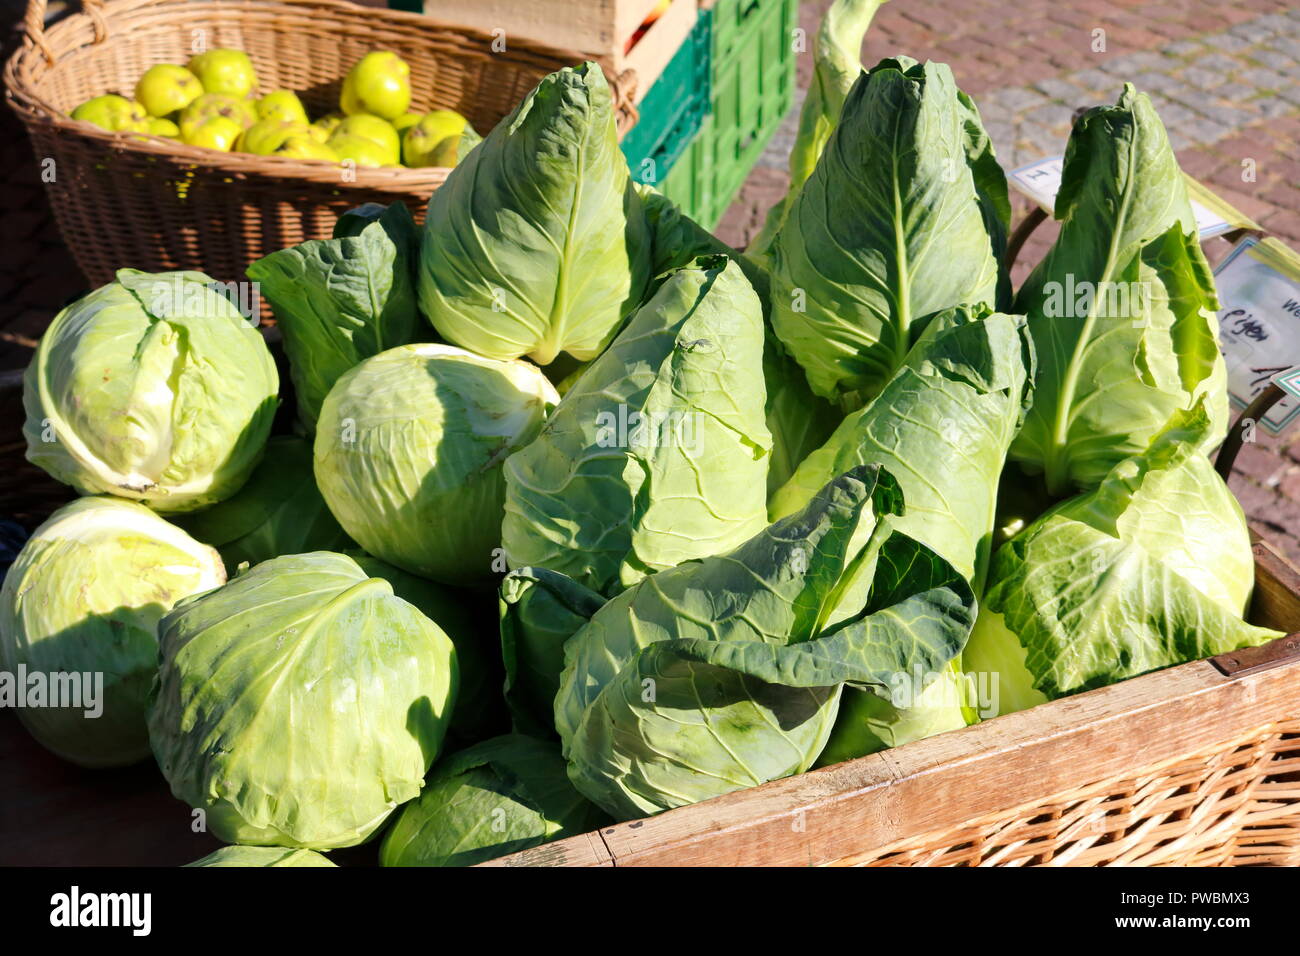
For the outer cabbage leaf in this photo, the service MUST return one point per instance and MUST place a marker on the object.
(942, 427)
(658, 453)
(1151, 569)
(501, 796)
(725, 672)
(888, 231)
(301, 703)
(342, 300)
(278, 511)
(1122, 309)
(536, 244)
(540, 610)
(153, 388)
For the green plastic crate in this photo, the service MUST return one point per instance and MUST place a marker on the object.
(752, 90)
(673, 109)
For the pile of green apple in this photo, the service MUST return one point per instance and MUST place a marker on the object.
(213, 102)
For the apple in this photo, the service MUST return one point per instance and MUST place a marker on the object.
(113, 113)
(406, 121)
(217, 104)
(324, 127)
(164, 127)
(362, 151)
(265, 136)
(378, 131)
(379, 83)
(212, 132)
(302, 145)
(434, 139)
(224, 71)
(283, 105)
(166, 88)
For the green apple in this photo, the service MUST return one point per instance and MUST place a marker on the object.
(166, 88)
(379, 83)
(301, 145)
(362, 151)
(164, 127)
(113, 113)
(212, 132)
(282, 105)
(406, 121)
(224, 71)
(217, 104)
(378, 131)
(265, 136)
(434, 139)
(324, 127)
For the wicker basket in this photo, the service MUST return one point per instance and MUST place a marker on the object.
(154, 204)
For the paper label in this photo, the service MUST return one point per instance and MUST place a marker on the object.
(1259, 324)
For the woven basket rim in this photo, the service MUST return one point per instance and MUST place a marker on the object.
(36, 111)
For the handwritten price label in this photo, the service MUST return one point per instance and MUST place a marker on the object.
(1259, 323)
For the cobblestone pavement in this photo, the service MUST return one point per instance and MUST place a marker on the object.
(1225, 79)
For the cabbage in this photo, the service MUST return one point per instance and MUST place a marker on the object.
(278, 511)
(501, 796)
(726, 672)
(901, 219)
(536, 244)
(1152, 568)
(301, 703)
(153, 388)
(658, 453)
(1122, 309)
(82, 601)
(941, 427)
(409, 452)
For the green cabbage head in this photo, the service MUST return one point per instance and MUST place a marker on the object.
(300, 704)
(658, 452)
(84, 597)
(500, 796)
(154, 388)
(1152, 568)
(409, 453)
(537, 244)
(726, 672)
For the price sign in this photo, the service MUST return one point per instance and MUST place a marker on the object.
(1259, 323)
(1041, 181)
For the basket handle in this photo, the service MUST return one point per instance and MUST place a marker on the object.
(34, 21)
(1251, 414)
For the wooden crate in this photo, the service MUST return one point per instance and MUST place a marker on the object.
(1183, 766)
(598, 28)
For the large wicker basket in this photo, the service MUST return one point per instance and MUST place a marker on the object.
(153, 204)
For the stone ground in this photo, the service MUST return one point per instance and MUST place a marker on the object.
(1225, 79)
